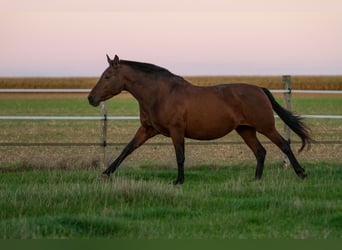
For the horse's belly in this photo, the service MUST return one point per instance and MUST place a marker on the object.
(208, 129)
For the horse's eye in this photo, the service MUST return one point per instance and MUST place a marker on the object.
(106, 77)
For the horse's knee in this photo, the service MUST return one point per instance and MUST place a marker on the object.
(261, 154)
(285, 147)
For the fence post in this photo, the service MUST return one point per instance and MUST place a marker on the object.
(104, 132)
(287, 96)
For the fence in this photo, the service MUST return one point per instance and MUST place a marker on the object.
(287, 91)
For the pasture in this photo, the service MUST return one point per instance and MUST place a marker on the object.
(54, 192)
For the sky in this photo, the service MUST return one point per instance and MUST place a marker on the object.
(188, 37)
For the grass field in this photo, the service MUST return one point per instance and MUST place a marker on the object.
(139, 203)
(54, 192)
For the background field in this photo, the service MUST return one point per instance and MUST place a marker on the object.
(272, 82)
(54, 192)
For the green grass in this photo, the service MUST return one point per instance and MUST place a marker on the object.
(320, 105)
(139, 203)
(64, 105)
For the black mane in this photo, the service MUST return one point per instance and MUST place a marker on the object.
(147, 68)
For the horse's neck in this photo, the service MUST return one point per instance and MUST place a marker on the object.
(143, 89)
(147, 89)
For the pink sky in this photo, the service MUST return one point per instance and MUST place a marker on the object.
(188, 37)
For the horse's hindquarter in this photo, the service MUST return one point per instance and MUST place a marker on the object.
(255, 109)
(213, 112)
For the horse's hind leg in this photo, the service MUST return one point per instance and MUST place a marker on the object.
(284, 145)
(249, 136)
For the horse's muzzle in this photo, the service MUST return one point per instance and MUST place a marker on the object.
(92, 101)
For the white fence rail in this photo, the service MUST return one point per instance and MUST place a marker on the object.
(18, 117)
(284, 91)
(122, 118)
(44, 90)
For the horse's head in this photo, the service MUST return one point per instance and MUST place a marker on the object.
(109, 84)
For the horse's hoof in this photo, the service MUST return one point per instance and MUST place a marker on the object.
(303, 175)
(104, 177)
(176, 182)
(257, 178)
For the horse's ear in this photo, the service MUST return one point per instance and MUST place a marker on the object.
(111, 63)
(116, 61)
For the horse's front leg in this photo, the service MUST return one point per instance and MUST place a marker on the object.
(141, 136)
(178, 142)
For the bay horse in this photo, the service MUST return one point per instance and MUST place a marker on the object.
(173, 107)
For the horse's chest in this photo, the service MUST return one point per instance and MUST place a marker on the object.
(155, 119)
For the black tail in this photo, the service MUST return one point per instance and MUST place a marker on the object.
(293, 121)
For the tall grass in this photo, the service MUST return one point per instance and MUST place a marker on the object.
(140, 203)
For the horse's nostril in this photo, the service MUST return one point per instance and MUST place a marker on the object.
(93, 101)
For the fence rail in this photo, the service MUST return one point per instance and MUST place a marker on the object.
(99, 118)
(122, 118)
(44, 90)
(88, 90)
(281, 91)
